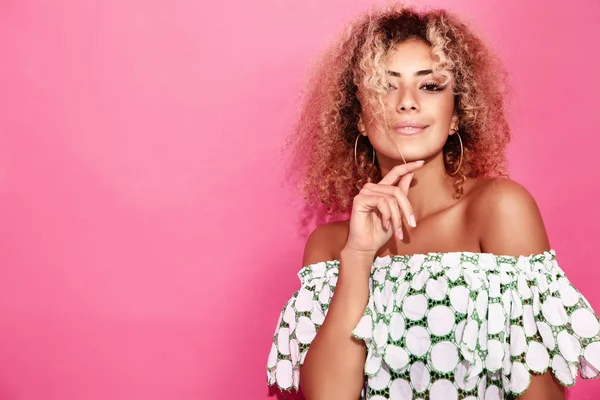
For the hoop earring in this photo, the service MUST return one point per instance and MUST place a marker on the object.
(355, 147)
(461, 153)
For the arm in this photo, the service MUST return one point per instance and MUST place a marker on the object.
(513, 226)
(334, 364)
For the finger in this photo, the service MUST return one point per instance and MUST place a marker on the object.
(384, 209)
(405, 182)
(399, 170)
(393, 195)
(396, 216)
(398, 193)
(375, 202)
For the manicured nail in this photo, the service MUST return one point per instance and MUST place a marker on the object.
(387, 226)
(420, 162)
(400, 234)
(412, 222)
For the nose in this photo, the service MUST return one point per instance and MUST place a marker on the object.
(407, 102)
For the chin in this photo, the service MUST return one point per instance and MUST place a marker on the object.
(410, 156)
(414, 152)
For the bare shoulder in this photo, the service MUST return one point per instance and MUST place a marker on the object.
(325, 242)
(500, 194)
(507, 218)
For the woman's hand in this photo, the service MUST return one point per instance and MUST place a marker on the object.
(378, 208)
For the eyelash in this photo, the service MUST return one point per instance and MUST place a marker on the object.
(436, 87)
(433, 87)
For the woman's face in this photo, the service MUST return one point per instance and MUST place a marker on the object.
(419, 109)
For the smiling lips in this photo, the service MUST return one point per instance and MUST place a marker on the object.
(409, 128)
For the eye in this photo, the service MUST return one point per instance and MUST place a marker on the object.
(391, 87)
(432, 87)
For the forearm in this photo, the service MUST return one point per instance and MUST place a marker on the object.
(334, 365)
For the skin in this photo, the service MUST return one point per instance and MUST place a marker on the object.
(493, 216)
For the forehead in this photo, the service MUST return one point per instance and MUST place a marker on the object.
(409, 56)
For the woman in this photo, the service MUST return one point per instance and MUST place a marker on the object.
(442, 284)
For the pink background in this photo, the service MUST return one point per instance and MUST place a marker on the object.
(147, 244)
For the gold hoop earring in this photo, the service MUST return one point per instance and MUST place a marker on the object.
(461, 153)
(355, 157)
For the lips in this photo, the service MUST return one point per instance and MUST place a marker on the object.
(409, 127)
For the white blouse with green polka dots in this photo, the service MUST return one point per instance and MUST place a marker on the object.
(446, 326)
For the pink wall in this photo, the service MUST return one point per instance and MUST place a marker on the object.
(146, 243)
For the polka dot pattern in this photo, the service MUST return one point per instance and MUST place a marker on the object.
(450, 326)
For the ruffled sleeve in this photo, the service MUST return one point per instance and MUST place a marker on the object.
(482, 322)
(298, 323)
(537, 322)
(490, 321)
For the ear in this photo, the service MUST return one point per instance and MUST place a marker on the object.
(361, 126)
(453, 125)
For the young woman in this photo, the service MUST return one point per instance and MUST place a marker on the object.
(442, 284)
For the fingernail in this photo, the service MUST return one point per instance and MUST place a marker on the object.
(420, 162)
(400, 234)
(411, 221)
(387, 226)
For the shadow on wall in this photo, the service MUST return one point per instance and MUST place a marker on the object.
(312, 217)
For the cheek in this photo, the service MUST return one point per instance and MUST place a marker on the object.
(442, 107)
(448, 99)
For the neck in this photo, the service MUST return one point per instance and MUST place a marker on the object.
(431, 189)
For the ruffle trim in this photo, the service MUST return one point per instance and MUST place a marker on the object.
(519, 315)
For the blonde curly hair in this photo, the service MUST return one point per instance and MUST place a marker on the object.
(323, 140)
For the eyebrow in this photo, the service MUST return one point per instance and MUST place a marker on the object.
(422, 72)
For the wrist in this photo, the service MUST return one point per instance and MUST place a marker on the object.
(356, 263)
(358, 255)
